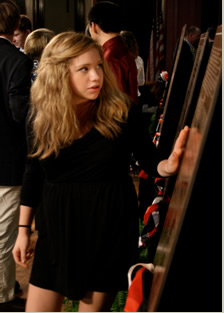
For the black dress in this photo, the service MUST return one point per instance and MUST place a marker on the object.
(87, 212)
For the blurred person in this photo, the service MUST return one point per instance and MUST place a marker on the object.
(191, 39)
(186, 60)
(131, 42)
(15, 71)
(81, 132)
(35, 44)
(23, 29)
(105, 25)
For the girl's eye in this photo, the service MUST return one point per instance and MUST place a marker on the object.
(83, 69)
(100, 65)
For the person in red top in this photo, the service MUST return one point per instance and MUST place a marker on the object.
(105, 24)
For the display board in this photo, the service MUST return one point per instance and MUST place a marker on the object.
(176, 94)
(194, 85)
(188, 259)
(191, 97)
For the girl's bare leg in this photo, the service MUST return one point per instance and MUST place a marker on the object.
(96, 302)
(43, 300)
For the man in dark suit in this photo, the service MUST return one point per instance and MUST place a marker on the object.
(190, 44)
(15, 79)
(187, 56)
(186, 61)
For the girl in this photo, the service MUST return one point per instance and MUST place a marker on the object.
(82, 131)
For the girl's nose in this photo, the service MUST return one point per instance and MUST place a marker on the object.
(94, 75)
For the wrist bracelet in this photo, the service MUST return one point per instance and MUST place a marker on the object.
(28, 226)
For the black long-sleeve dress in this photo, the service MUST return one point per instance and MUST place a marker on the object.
(87, 211)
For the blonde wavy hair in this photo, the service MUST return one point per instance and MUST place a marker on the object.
(54, 121)
(36, 41)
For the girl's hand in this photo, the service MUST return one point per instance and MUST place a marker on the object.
(171, 165)
(21, 251)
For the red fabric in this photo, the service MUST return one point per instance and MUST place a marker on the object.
(143, 174)
(135, 292)
(123, 66)
(159, 178)
(149, 211)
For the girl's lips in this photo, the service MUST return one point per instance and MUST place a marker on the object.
(94, 87)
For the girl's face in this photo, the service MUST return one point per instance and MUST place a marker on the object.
(86, 76)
